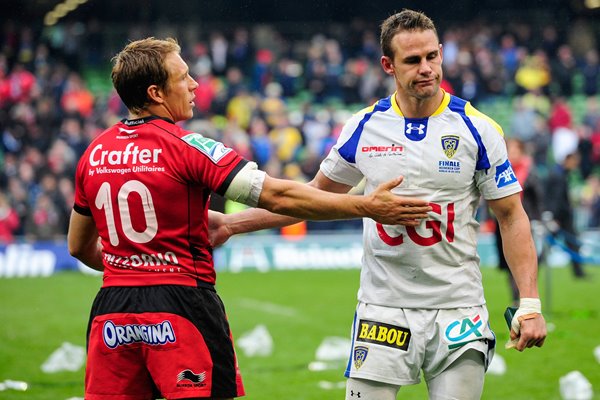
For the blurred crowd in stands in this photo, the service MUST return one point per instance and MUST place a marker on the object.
(282, 101)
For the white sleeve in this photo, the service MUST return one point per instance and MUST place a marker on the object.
(499, 180)
(247, 185)
(335, 166)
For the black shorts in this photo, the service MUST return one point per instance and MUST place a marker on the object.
(160, 341)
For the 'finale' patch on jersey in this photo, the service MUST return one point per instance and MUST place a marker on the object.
(213, 149)
(449, 167)
(505, 175)
(384, 334)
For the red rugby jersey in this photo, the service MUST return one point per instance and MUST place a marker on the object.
(146, 183)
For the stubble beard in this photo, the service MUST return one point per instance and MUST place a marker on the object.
(425, 93)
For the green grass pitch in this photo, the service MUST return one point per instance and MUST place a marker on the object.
(300, 309)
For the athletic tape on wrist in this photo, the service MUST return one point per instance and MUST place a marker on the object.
(528, 308)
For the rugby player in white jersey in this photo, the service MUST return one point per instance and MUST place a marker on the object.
(421, 306)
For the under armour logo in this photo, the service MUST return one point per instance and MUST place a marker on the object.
(410, 127)
(352, 394)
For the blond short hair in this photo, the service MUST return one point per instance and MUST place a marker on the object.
(139, 65)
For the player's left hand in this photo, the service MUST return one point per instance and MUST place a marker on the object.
(392, 209)
(531, 332)
(218, 230)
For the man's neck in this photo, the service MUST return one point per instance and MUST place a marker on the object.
(149, 111)
(412, 107)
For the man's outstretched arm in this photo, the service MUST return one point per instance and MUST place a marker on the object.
(302, 201)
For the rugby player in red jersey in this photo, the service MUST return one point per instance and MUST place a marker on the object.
(157, 327)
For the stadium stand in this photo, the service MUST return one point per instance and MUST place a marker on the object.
(279, 96)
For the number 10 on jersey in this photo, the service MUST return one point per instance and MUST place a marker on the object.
(103, 201)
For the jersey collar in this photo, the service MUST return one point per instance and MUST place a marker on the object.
(442, 106)
(144, 120)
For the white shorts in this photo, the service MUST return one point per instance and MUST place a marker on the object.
(392, 345)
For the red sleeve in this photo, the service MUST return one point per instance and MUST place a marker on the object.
(81, 204)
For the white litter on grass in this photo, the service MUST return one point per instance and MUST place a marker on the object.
(14, 385)
(575, 386)
(317, 366)
(333, 348)
(597, 354)
(257, 342)
(68, 357)
(497, 366)
(75, 398)
(331, 354)
(326, 385)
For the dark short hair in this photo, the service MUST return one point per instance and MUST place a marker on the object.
(405, 20)
(139, 65)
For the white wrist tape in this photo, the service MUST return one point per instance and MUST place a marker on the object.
(246, 185)
(528, 308)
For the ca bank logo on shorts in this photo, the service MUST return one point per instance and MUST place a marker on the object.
(120, 335)
(415, 129)
(463, 331)
(384, 334)
(505, 175)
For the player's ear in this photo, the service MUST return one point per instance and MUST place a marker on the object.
(155, 94)
(387, 65)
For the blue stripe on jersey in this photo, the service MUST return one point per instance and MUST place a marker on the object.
(348, 149)
(350, 356)
(458, 106)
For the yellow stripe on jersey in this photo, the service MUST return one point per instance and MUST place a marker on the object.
(367, 109)
(471, 111)
(440, 109)
(443, 104)
(395, 105)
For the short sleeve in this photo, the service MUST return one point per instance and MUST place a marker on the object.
(499, 180)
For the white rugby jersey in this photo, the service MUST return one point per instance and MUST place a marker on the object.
(450, 159)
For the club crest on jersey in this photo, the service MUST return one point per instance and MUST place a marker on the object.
(462, 331)
(505, 175)
(213, 149)
(415, 129)
(360, 355)
(450, 145)
(384, 334)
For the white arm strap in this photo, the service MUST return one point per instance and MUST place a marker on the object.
(246, 185)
